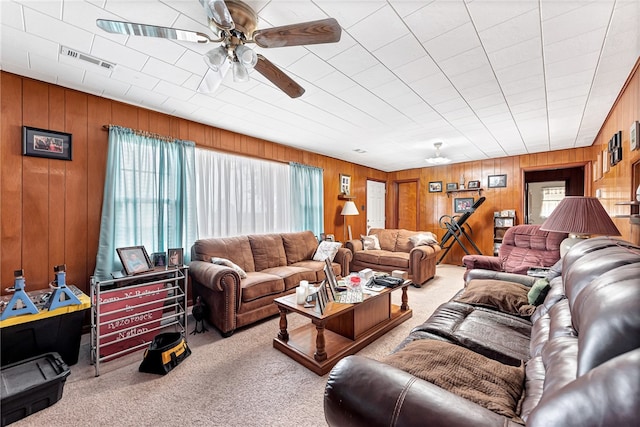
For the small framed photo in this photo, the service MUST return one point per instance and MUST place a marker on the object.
(463, 204)
(134, 259)
(452, 186)
(175, 257)
(46, 143)
(345, 184)
(472, 185)
(497, 181)
(634, 135)
(159, 259)
(435, 187)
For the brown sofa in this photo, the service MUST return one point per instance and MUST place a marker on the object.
(274, 265)
(580, 350)
(396, 252)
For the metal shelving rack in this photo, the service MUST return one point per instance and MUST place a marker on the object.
(173, 309)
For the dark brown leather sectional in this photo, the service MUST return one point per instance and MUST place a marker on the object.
(274, 263)
(580, 348)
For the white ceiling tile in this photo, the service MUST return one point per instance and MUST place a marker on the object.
(403, 51)
(11, 14)
(118, 54)
(42, 25)
(311, 68)
(165, 50)
(164, 71)
(69, 72)
(489, 13)
(368, 31)
(53, 8)
(416, 70)
(437, 18)
(348, 13)
(584, 19)
(286, 12)
(335, 82)
(111, 88)
(154, 13)
(354, 60)
(452, 43)
(519, 53)
(514, 31)
(329, 50)
(134, 77)
(374, 76)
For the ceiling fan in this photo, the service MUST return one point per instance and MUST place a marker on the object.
(235, 25)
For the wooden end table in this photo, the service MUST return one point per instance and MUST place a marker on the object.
(342, 329)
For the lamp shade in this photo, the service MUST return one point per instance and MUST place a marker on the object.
(580, 217)
(349, 209)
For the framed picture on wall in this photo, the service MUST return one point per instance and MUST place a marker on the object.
(462, 204)
(497, 181)
(452, 186)
(345, 184)
(435, 187)
(46, 143)
(472, 185)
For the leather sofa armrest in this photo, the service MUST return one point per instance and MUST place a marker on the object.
(364, 392)
(500, 275)
(343, 257)
(211, 275)
(424, 251)
(484, 262)
(354, 245)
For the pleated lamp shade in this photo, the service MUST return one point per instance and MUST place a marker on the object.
(349, 209)
(581, 217)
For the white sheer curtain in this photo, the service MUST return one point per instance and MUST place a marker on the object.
(239, 195)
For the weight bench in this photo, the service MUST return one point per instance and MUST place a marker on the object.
(455, 226)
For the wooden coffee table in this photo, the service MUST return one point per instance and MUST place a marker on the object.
(342, 329)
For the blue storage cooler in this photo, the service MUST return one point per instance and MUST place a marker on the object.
(31, 385)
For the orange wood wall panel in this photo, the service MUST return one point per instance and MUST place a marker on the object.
(51, 208)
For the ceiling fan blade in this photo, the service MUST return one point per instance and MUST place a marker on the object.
(217, 10)
(276, 76)
(132, 29)
(213, 79)
(313, 32)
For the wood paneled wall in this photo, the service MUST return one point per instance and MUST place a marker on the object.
(50, 209)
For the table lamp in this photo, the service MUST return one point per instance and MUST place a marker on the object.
(581, 217)
(348, 209)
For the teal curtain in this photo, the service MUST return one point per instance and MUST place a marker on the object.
(307, 198)
(149, 197)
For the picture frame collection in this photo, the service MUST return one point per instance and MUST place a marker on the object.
(494, 181)
(136, 260)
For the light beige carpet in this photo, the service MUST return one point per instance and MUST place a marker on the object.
(238, 381)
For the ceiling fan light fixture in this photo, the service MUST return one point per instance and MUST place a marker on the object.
(215, 57)
(438, 159)
(240, 73)
(246, 56)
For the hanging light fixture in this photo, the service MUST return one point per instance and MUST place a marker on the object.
(215, 57)
(240, 73)
(438, 159)
(246, 56)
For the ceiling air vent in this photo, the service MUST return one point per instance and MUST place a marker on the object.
(88, 58)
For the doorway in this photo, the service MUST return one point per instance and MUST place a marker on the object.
(539, 182)
(376, 196)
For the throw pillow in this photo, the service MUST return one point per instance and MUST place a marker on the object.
(326, 250)
(463, 372)
(370, 242)
(507, 297)
(230, 264)
(423, 239)
(538, 292)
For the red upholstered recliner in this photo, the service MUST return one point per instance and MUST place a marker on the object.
(523, 246)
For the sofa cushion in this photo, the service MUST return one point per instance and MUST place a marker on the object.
(370, 242)
(259, 284)
(292, 275)
(268, 251)
(383, 258)
(299, 246)
(403, 241)
(386, 237)
(507, 297)
(538, 292)
(486, 382)
(230, 264)
(235, 249)
(423, 239)
(327, 250)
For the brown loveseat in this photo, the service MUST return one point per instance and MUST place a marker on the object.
(274, 266)
(580, 348)
(396, 252)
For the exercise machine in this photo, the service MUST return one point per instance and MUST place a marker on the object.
(457, 227)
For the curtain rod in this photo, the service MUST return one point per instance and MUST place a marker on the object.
(145, 133)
